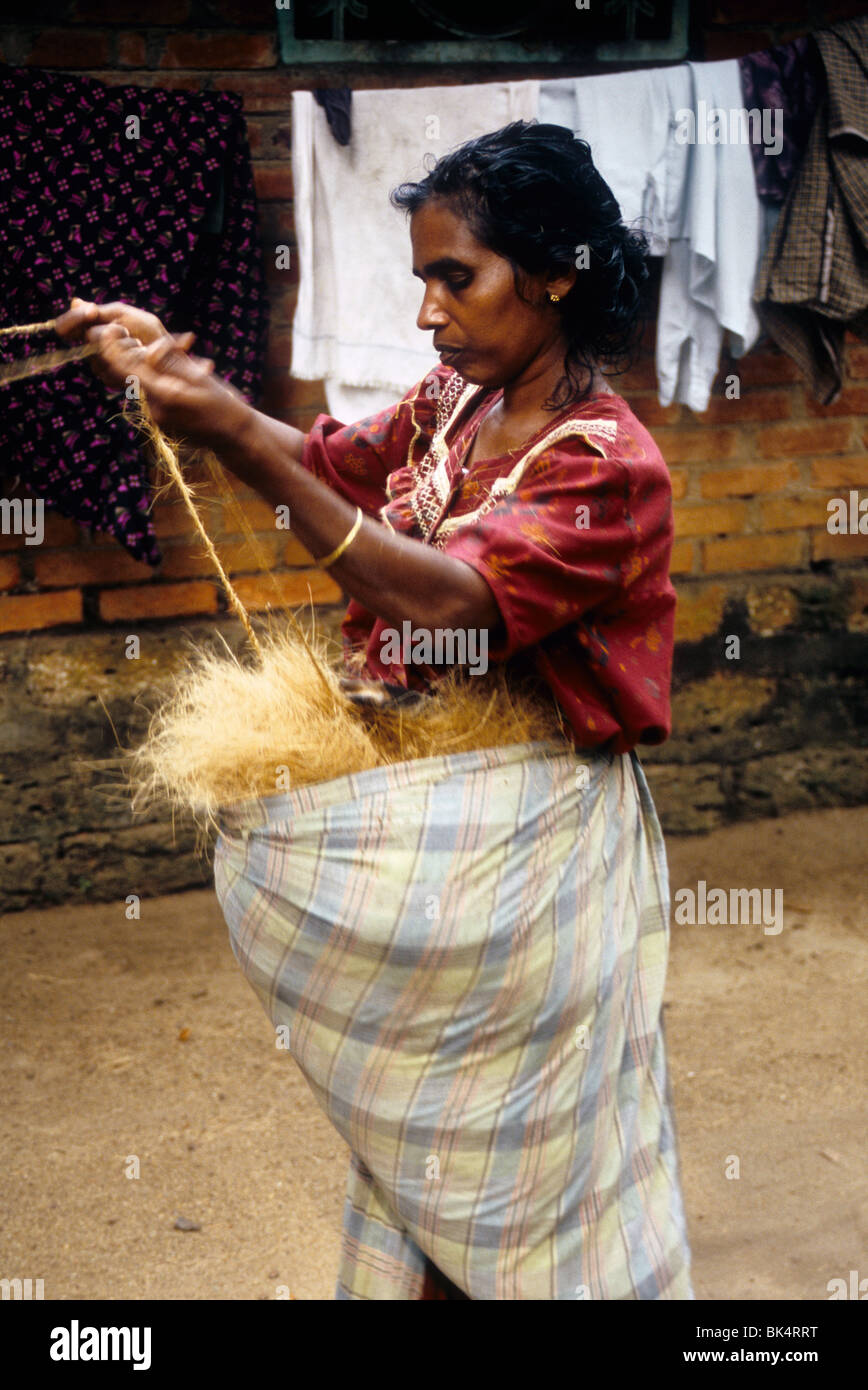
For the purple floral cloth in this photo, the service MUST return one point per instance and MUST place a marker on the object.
(790, 79)
(118, 193)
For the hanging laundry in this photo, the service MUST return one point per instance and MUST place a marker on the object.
(118, 193)
(626, 118)
(715, 240)
(813, 282)
(355, 321)
(693, 198)
(790, 80)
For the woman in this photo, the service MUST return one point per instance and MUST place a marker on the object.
(485, 1025)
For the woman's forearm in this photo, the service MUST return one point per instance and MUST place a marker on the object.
(391, 575)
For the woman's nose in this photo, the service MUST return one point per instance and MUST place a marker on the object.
(431, 315)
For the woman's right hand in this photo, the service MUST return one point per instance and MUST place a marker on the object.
(82, 315)
(120, 335)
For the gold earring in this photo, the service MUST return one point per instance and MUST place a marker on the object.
(555, 298)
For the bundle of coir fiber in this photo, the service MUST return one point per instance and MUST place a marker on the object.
(231, 730)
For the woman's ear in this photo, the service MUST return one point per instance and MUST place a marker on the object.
(561, 284)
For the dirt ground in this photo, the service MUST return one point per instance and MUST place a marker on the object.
(140, 1040)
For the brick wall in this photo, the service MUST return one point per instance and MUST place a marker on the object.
(752, 476)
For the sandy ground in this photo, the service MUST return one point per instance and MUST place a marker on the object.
(140, 1040)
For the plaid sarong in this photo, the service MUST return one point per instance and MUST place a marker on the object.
(469, 954)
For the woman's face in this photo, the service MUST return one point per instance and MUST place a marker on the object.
(481, 326)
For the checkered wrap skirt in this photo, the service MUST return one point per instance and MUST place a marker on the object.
(468, 953)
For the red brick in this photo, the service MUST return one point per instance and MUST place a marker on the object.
(680, 477)
(283, 393)
(827, 547)
(773, 12)
(699, 612)
(132, 12)
(260, 515)
(793, 513)
(171, 81)
(754, 405)
(857, 360)
(26, 612)
(816, 438)
(69, 48)
(57, 531)
(262, 92)
(260, 556)
(296, 554)
(303, 420)
(849, 471)
(58, 569)
(283, 277)
(10, 571)
(132, 52)
(642, 376)
(754, 553)
(173, 519)
(746, 482)
(220, 51)
(853, 400)
(713, 519)
(648, 338)
(682, 557)
(649, 410)
(273, 182)
(275, 229)
(834, 10)
(283, 304)
(245, 14)
(734, 44)
(158, 601)
(187, 562)
(692, 445)
(857, 607)
(257, 591)
(242, 491)
(255, 136)
(279, 351)
(763, 369)
(270, 137)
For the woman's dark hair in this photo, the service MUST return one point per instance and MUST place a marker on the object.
(531, 193)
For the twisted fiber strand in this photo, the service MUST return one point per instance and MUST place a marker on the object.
(217, 476)
(46, 327)
(45, 362)
(167, 458)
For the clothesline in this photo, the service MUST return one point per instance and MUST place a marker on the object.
(708, 205)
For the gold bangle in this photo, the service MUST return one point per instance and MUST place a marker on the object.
(347, 541)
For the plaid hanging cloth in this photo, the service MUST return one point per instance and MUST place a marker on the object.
(812, 285)
(468, 953)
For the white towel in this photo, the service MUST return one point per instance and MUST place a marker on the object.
(355, 321)
(714, 252)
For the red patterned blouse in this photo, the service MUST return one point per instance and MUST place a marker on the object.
(572, 532)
